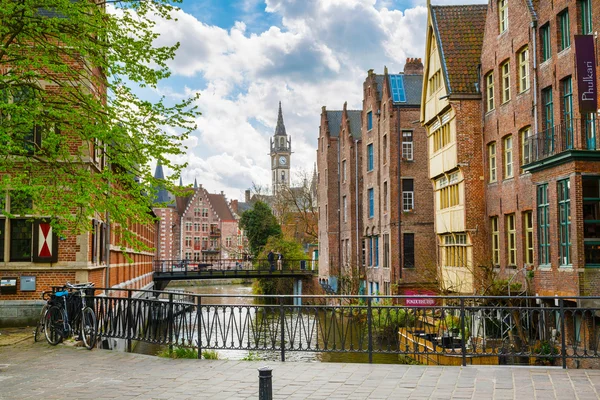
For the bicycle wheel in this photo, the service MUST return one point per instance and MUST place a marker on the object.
(53, 325)
(89, 329)
(40, 325)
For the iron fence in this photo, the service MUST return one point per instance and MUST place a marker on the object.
(439, 330)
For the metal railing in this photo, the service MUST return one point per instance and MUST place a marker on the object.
(441, 331)
(574, 134)
(185, 266)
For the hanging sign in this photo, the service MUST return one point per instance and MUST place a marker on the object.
(586, 73)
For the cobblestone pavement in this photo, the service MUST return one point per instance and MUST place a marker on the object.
(41, 371)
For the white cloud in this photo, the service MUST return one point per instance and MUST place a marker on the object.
(318, 56)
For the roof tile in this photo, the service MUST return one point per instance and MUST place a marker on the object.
(459, 32)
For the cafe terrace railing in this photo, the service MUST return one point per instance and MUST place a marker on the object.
(432, 330)
(574, 134)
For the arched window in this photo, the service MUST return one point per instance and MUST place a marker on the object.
(282, 142)
(282, 176)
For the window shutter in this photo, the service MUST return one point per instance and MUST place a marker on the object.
(45, 243)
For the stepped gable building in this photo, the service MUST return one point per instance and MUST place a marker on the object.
(200, 227)
(349, 188)
(451, 114)
(397, 213)
(374, 194)
(328, 197)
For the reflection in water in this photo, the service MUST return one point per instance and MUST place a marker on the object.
(240, 289)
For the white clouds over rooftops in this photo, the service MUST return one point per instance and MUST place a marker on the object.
(317, 55)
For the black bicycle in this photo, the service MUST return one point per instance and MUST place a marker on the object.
(39, 328)
(70, 313)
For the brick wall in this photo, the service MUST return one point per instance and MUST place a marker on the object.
(327, 200)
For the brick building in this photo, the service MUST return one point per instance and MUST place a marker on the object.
(200, 227)
(542, 164)
(33, 258)
(328, 197)
(508, 108)
(561, 154)
(349, 186)
(374, 195)
(451, 113)
(397, 212)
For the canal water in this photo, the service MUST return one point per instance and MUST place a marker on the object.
(246, 289)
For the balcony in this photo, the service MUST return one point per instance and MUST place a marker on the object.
(575, 139)
(214, 232)
(211, 249)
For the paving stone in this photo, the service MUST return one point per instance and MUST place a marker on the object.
(111, 375)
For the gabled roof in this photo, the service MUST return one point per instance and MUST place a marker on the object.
(459, 35)
(379, 82)
(219, 204)
(355, 122)
(334, 120)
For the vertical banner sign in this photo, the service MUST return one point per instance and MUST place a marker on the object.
(586, 73)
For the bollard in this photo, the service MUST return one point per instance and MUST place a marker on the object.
(265, 384)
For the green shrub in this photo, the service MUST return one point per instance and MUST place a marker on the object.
(178, 352)
(210, 355)
(408, 360)
(252, 356)
(546, 352)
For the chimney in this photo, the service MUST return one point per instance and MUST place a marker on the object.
(413, 66)
(247, 196)
(233, 204)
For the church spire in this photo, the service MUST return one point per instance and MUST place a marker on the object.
(195, 183)
(159, 173)
(280, 129)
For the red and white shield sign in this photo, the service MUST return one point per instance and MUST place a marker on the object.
(45, 240)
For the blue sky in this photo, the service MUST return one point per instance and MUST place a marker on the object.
(244, 56)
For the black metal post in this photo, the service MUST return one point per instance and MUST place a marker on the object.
(265, 383)
(129, 318)
(563, 333)
(462, 332)
(170, 322)
(199, 322)
(282, 317)
(370, 328)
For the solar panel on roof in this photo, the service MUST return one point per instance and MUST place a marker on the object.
(397, 84)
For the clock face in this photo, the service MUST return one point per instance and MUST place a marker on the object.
(282, 160)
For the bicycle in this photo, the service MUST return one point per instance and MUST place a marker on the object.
(57, 322)
(39, 328)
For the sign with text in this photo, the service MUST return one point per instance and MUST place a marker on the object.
(586, 73)
(420, 298)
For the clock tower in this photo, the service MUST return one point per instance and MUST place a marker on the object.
(281, 151)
